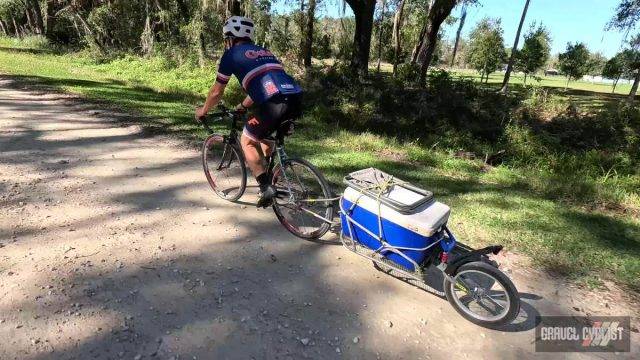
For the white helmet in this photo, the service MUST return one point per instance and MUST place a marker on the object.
(238, 26)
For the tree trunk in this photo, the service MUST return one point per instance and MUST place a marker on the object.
(423, 32)
(303, 39)
(37, 16)
(363, 11)
(463, 17)
(184, 10)
(147, 38)
(15, 27)
(384, 3)
(234, 7)
(416, 49)
(4, 30)
(50, 18)
(440, 10)
(89, 32)
(615, 83)
(507, 74)
(525, 79)
(29, 21)
(567, 84)
(308, 45)
(634, 87)
(397, 22)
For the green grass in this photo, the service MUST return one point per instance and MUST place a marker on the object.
(586, 95)
(526, 210)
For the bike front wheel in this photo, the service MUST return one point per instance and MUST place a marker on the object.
(303, 203)
(483, 294)
(224, 168)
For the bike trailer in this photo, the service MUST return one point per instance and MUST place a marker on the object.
(392, 217)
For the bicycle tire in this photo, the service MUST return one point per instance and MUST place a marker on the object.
(513, 298)
(321, 191)
(231, 167)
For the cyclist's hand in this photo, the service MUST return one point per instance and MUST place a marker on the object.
(241, 109)
(200, 113)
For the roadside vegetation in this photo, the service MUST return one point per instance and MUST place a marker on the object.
(546, 165)
(532, 171)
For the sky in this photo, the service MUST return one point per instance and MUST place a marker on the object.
(567, 20)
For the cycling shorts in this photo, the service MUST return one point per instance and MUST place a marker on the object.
(270, 114)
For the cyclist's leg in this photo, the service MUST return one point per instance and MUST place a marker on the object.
(253, 155)
(267, 147)
(266, 120)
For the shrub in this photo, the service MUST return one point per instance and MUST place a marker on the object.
(37, 42)
(408, 73)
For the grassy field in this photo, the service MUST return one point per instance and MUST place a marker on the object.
(556, 82)
(587, 95)
(527, 211)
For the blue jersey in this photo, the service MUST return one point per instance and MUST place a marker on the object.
(260, 73)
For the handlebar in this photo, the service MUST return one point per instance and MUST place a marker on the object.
(222, 113)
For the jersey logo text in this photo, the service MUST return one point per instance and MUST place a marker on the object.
(254, 54)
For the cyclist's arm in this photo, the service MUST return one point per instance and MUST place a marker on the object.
(215, 94)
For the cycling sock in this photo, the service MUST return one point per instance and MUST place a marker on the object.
(263, 181)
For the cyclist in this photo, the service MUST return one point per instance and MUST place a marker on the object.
(272, 93)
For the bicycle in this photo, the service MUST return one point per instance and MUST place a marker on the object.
(303, 203)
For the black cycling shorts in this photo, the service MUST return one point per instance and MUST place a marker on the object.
(269, 115)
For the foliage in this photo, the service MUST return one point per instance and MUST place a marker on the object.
(574, 62)
(535, 51)
(597, 62)
(32, 42)
(486, 49)
(408, 73)
(615, 67)
(626, 15)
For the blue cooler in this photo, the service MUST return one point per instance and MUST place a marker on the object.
(410, 217)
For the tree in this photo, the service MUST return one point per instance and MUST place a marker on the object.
(596, 63)
(626, 18)
(380, 30)
(363, 12)
(514, 50)
(34, 7)
(397, 21)
(439, 11)
(535, 51)
(427, 8)
(632, 67)
(463, 17)
(574, 62)
(614, 69)
(308, 44)
(486, 47)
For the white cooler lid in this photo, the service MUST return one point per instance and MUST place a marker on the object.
(425, 221)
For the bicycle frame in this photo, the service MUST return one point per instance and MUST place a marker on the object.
(233, 140)
(278, 156)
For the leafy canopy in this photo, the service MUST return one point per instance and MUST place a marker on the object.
(486, 48)
(575, 61)
(615, 67)
(535, 51)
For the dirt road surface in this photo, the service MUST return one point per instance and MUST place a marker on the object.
(113, 246)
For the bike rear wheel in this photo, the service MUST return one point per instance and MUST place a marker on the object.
(224, 168)
(303, 204)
